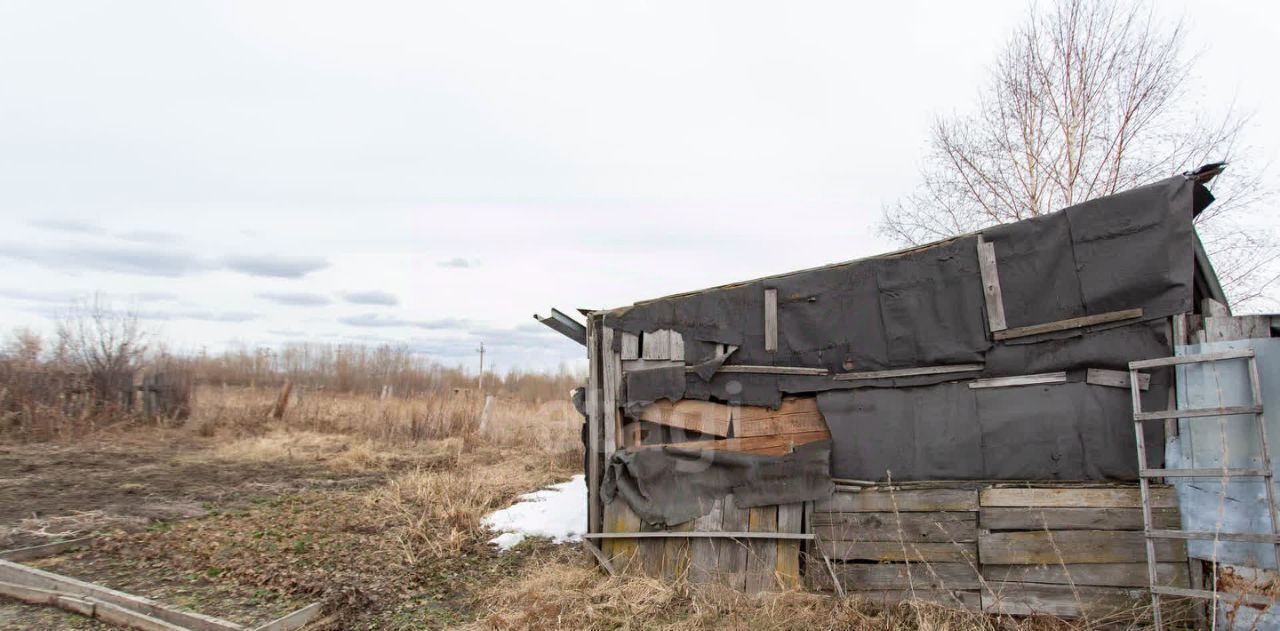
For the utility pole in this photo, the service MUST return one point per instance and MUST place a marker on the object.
(481, 351)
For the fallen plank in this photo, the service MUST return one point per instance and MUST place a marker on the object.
(1162, 497)
(11, 572)
(908, 372)
(1068, 324)
(295, 620)
(879, 501)
(19, 555)
(125, 617)
(1073, 546)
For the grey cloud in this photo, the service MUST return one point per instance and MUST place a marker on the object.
(275, 266)
(206, 316)
(373, 320)
(150, 236)
(146, 262)
(372, 297)
(65, 225)
(295, 299)
(458, 262)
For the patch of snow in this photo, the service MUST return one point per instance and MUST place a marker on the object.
(558, 512)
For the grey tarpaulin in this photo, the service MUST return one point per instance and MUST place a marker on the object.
(668, 485)
(925, 306)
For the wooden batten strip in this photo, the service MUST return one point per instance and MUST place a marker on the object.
(908, 372)
(702, 534)
(991, 285)
(770, 320)
(1022, 380)
(769, 370)
(1115, 378)
(1047, 547)
(1068, 324)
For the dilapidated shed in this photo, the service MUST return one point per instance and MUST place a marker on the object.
(954, 421)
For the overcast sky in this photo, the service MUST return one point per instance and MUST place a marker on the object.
(433, 173)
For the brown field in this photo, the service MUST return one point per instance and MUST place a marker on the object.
(371, 505)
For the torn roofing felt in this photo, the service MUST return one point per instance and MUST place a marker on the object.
(926, 307)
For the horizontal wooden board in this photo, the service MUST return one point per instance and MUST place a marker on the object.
(1025, 599)
(881, 501)
(1066, 325)
(895, 551)
(919, 527)
(1073, 546)
(1128, 497)
(698, 416)
(864, 576)
(765, 445)
(1115, 378)
(794, 415)
(1095, 574)
(891, 597)
(1038, 518)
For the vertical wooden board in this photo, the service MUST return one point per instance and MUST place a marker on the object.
(762, 554)
(991, 285)
(704, 553)
(595, 437)
(629, 345)
(790, 517)
(624, 551)
(771, 320)
(650, 554)
(676, 346)
(733, 554)
(675, 554)
(611, 377)
(656, 344)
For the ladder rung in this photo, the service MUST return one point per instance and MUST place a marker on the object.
(1196, 413)
(1246, 537)
(1204, 473)
(1191, 359)
(1251, 599)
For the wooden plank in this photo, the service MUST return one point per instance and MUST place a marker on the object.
(876, 576)
(881, 501)
(295, 620)
(600, 557)
(1203, 473)
(1163, 497)
(762, 554)
(1198, 413)
(699, 416)
(1094, 574)
(623, 524)
(675, 345)
(19, 574)
(1023, 518)
(1199, 358)
(124, 617)
(1066, 325)
(1115, 378)
(733, 554)
(991, 285)
(770, 370)
(767, 445)
(650, 553)
(1073, 546)
(41, 551)
(629, 346)
(656, 344)
(1022, 380)
(704, 554)
(908, 372)
(770, 320)
(1232, 598)
(701, 534)
(795, 415)
(1025, 599)
(611, 395)
(898, 552)
(919, 527)
(630, 365)
(1198, 535)
(892, 597)
(675, 554)
(790, 518)
(595, 424)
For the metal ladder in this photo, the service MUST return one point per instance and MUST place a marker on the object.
(1145, 475)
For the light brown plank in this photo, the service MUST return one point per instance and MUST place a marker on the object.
(881, 501)
(765, 445)
(699, 416)
(1162, 497)
(991, 285)
(1024, 518)
(897, 552)
(795, 415)
(762, 555)
(875, 576)
(733, 554)
(1068, 324)
(788, 567)
(675, 554)
(704, 554)
(919, 527)
(1073, 546)
(1095, 574)
(1025, 599)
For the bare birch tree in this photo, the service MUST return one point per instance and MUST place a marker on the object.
(1088, 98)
(106, 344)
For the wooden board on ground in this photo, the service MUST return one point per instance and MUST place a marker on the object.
(699, 416)
(1128, 497)
(794, 415)
(1034, 518)
(1073, 546)
(880, 501)
(920, 527)
(897, 551)
(876, 576)
(1094, 574)
(1024, 599)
